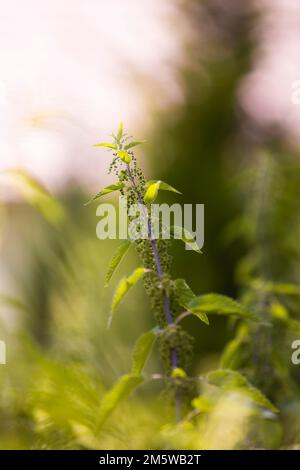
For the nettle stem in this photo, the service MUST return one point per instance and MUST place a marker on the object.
(166, 299)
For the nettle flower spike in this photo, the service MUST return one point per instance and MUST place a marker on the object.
(171, 299)
(121, 145)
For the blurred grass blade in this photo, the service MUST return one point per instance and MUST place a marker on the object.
(13, 302)
(116, 260)
(142, 350)
(109, 189)
(219, 304)
(184, 295)
(36, 195)
(123, 287)
(120, 390)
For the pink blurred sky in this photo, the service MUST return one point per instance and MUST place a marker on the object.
(266, 92)
(71, 69)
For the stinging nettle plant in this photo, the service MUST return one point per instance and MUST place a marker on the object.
(171, 299)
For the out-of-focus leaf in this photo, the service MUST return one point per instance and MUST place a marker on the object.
(279, 311)
(275, 287)
(116, 260)
(125, 157)
(180, 233)
(120, 390)
(134, 144)
(109, 189)
(36, 195)
(293, 325)
(219, 304)
(234, 353)
(230, 380)
(203, 403)
(142, 350)
(123, 287)
(84, 435)
(107, 145)
(184, 295)
(152, 188)
(120, 130)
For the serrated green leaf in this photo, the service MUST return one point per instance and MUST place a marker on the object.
(125, 157)
(107, 145)
(120, 130)
(142, 350)
(167, 187)
(230, 380)
(134, 144)
(116, 260)
(183, 292)
(123, 287)
(184, 295)
(109, 189)
(220, 305)
(152, 188)
(180, 233)
(36, 195)
(120, 390)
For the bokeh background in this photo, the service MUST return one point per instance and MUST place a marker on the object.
(209, 85)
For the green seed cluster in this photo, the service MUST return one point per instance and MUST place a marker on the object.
(173, 337)
(115, 166)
